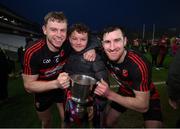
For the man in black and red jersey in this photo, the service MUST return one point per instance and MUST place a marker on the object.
(43, 62)
(133, 74)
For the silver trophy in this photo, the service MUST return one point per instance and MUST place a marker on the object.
(81, 87)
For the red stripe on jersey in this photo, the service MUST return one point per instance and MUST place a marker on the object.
(28, 56)
(30, 51)
(140, 63)
(124, 91)
(143, 69)
(155, 94)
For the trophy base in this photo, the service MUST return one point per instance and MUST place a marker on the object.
(79, 101)
(81, 110)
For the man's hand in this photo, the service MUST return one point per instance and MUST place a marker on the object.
(102, 88)
(173, 104)
(90, 55)
(63, 80)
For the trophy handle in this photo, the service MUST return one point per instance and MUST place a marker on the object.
(92, 90)
(71, 82)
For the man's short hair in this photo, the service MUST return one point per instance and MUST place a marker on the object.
(55, 16)
(111, 28)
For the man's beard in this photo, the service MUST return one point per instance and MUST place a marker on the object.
(119, 58)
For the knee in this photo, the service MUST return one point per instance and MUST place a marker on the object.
(109, 123)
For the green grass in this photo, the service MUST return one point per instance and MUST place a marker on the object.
(19, 112)
(169, 115)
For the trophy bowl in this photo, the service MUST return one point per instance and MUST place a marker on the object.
(81, 87)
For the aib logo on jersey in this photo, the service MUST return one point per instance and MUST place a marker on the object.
(56, 58)
(125, 72)
(62, 53)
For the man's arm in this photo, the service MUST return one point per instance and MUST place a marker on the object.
(173, 82)
(100, 69)
(173, 104)
(138, 103)
(90, 53)
(32, 85)
(93, 42)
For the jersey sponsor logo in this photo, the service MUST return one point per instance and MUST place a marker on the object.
(116, 68)
(57, 60)
(125, 72)
(62, 53)
(46, 61)
(54, 71)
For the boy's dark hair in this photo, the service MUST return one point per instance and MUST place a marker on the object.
(80, 28)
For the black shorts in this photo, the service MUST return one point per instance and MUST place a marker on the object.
(154, 112)
(44, 100)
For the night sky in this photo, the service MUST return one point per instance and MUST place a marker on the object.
(98, 13)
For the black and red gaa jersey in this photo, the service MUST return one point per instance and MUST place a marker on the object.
(39, 60)
(134, 73)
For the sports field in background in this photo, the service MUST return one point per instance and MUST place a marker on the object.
(18, 111)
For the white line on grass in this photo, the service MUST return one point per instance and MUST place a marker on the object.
(156, 83)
